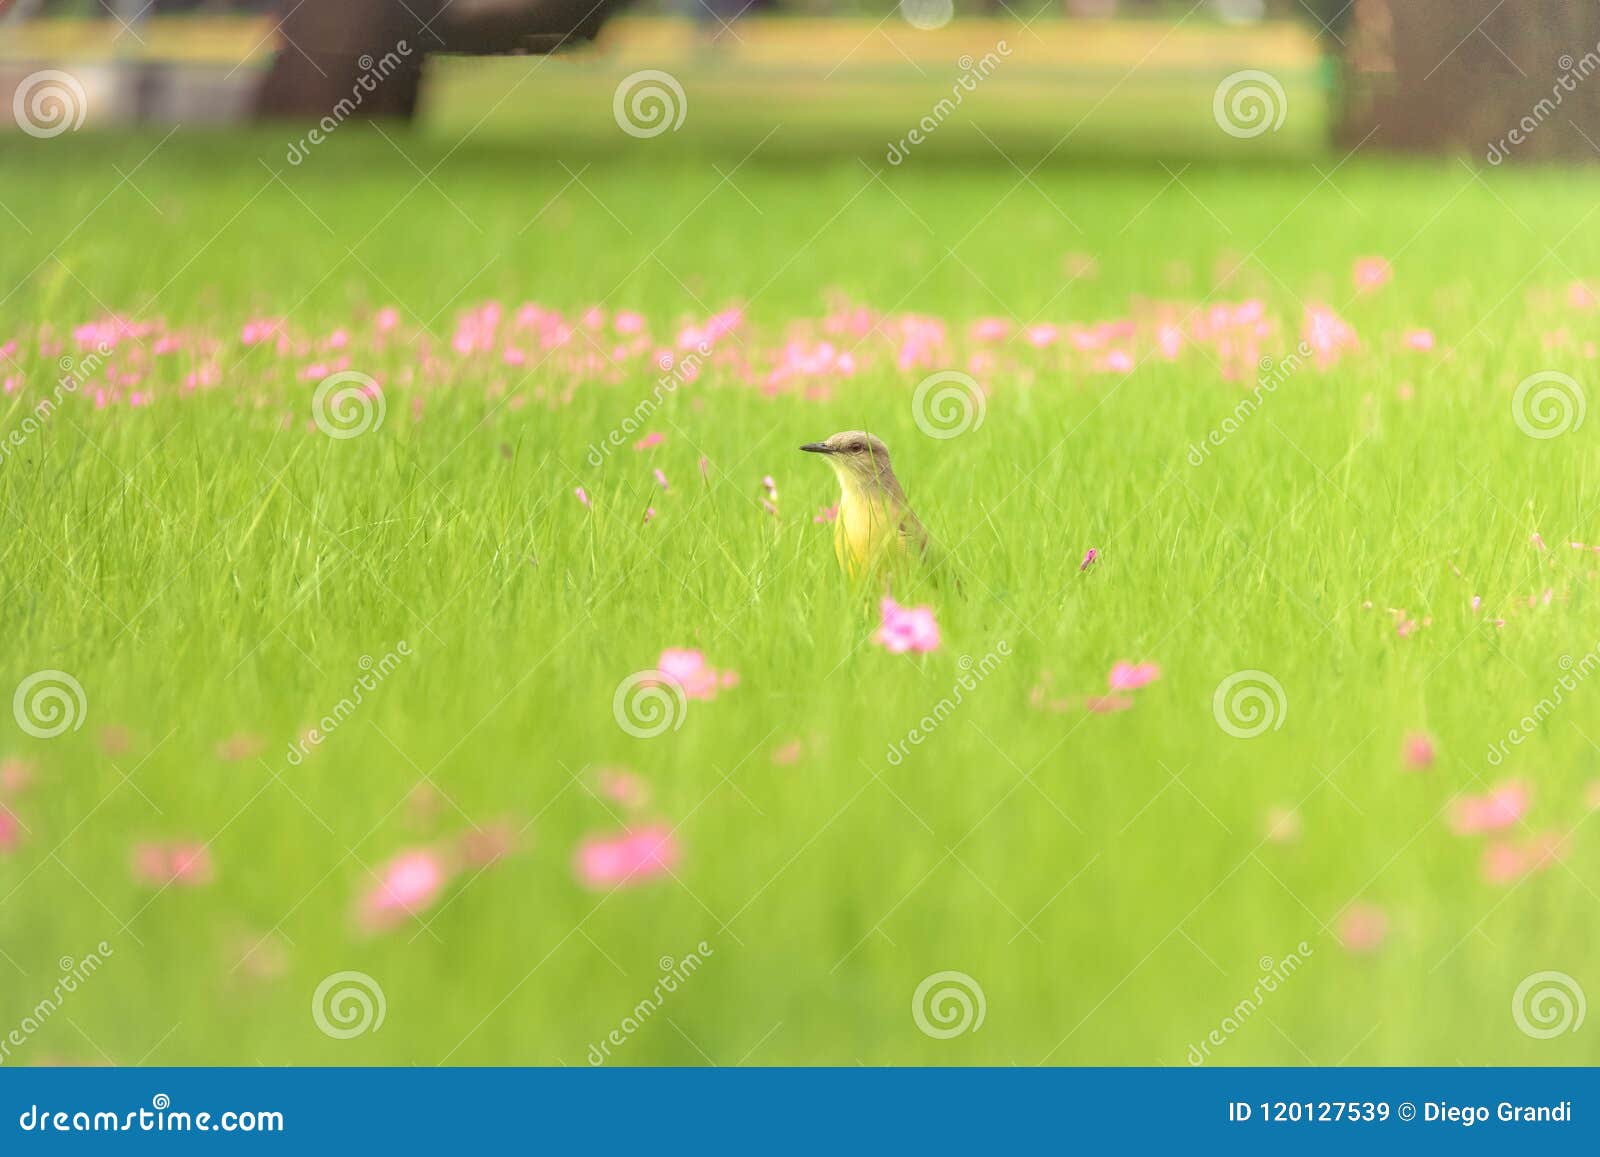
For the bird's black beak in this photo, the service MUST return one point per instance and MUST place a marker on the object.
(817, 448)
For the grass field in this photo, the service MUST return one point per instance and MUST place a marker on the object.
(210, 568)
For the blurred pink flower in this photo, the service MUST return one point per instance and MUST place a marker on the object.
(631, 858)
(827, 514)
(690, 671)
(1328, 334)
(906, 628)
(787, 754)
(1088, 560)
(583, 495)
(1505, 862)
(407, 884)
(1363, 927)
(623, 786)
(1370, 273)
(1106, 704)
(654, 438)
(1418, 751)
(184, 863)
(1499, 808)
(1420, 340)
(15, 774)
(1131, 676)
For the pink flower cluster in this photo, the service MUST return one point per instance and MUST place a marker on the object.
(904, 629)
(690, 671)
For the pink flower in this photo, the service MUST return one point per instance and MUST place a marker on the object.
(631, 858)
(186, 864)
(1370, 273)
(1418, 751)
(583, 495)
(1505, 862)
(649, 440)
(1106, 704)
(827, 514)
(1498, 809)
(406, 885)
(1363, 927)
(1130, 676)
(661, 478)
(788, 754)
(1420, 340)
(1088, 560)
(15, 774)
(649, 513)
(906, 628)
(623, 786)
(690, 671)
(1328, 335)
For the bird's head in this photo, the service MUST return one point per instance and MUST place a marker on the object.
(854, 455)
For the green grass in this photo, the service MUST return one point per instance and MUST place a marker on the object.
(209, 566)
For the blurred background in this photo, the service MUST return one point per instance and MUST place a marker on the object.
(1117, 76)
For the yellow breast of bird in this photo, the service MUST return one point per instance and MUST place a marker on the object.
(867, 526)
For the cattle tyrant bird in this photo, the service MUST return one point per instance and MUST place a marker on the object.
(876, 526)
